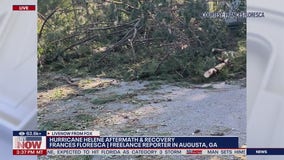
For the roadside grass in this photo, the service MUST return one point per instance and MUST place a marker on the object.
(112, 98)
(53, 125)
(84, 117)
(154, 85)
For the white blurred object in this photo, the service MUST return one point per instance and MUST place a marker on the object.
(265, 77)
(18, 73)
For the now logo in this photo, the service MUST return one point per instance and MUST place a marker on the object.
(29, 143)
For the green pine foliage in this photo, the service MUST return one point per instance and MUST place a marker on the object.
(132, 40)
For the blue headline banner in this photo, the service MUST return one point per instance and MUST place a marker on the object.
(72, 142)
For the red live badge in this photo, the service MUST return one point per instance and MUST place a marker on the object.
(24, 7)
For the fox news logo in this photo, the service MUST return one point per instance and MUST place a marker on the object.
(28, 142)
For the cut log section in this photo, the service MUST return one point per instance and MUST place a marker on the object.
(215, 69)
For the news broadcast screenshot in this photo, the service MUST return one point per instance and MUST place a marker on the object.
(141, 80)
